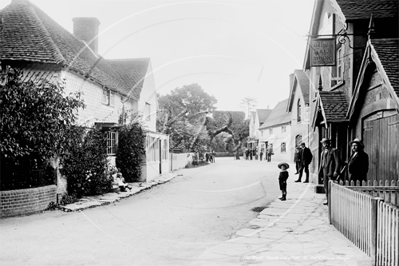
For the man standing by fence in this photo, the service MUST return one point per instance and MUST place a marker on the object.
(329, 166)
(358, 164)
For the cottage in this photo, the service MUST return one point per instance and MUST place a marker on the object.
(256, 119)
(276, 130)
(34, 42)
(298, 106)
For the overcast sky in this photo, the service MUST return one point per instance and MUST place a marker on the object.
(232, 49)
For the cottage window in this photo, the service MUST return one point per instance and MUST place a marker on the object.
(271, 131)
(283, 129)
(111, 142)
(261, 133)
(283, 148)
(106, 96)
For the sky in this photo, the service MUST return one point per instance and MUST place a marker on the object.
(233, 49)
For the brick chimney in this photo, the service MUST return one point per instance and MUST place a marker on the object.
(86, 29)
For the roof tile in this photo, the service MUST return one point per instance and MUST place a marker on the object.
(388, 53)
(362, 9)
(30, 35)
(278, 115)
(334, 104)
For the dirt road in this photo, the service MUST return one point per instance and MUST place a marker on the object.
(170, 224)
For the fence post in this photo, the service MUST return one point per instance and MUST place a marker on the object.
(374, 229)
(329, 200)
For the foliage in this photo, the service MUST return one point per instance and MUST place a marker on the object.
(192, 97)
(182, 117)
(130, 151)
(239, 127)
(68, 199)
(85, 165)
(35, 116)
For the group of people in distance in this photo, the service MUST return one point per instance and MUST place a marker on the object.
(330, 165)
(250, 154)
(210, 156)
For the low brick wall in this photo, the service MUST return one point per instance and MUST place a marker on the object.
(26, 201)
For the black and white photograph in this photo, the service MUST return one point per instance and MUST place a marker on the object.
(199, 132)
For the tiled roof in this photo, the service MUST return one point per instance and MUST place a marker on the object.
(335, 105)
(132, 71)
(263, 114)
(388, 53)
(362, 9)
(278, 115)
(303, 81)
(28, 34)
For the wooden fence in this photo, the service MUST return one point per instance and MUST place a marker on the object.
(368, 217)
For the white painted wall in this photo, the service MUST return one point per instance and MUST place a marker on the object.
(149, 95)
(95, 110)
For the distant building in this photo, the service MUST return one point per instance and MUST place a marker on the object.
(276, 130)
(257, 119)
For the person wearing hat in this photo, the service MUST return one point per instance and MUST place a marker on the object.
(306, 158)
(282, 180)
(358, 164)
(329, 164)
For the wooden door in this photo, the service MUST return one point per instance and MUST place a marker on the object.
(381, 139)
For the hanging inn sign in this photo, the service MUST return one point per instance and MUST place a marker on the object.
(322, 52)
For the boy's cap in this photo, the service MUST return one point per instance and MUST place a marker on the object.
(285, 164)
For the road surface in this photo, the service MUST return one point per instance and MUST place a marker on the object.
(170, 224)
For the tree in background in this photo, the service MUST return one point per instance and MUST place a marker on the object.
(182, 114)
(239, 128)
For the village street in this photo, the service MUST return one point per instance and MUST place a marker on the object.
(170, 224)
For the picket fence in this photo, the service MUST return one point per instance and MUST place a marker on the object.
(368, 215)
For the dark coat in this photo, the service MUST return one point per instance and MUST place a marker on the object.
(358, 166)
(329, 163)
(306, 156)
(297, 156)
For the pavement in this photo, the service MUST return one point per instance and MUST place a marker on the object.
(292, 232)
(286, 233)
(108, 198)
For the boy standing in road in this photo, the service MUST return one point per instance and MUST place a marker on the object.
(282, 180)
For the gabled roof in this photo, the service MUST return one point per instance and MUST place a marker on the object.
(278, 116)
(263, 114)
(382, 54)
(30, 35)
(332, 105)
(302, 80)
(361, 9)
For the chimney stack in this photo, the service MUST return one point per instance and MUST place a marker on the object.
(86, 29)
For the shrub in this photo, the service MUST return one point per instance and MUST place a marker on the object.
(35, 116)
(130, 151)
(85, 165)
